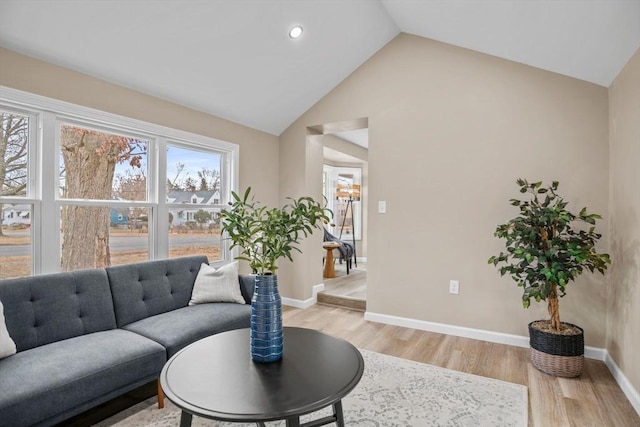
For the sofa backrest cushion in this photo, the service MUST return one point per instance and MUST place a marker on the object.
(148, 288)
(43, 309)
(247, 285)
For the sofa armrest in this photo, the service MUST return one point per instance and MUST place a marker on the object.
(247, 284)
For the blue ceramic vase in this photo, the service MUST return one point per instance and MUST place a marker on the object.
(266, 320)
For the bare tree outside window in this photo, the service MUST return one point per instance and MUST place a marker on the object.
(14, 137)
(89, 160)
(132, 186)
(209, 179)
(206, 166)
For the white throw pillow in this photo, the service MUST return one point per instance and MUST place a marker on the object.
(217, 285)
(7, 346)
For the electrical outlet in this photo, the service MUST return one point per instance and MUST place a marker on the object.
(454, 287)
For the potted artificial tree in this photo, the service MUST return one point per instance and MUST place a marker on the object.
(265, 235)
(545, 251)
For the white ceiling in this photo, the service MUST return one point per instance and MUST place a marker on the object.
(340, 157)
(358, 136)
(233, 58)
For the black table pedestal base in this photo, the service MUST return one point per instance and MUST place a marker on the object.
(337, 417)
(185, 419)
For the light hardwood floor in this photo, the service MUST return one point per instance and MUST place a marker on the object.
(593, 399)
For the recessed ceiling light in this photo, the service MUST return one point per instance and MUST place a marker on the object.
(295, 32)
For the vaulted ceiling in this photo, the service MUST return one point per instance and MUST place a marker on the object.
(234, 58)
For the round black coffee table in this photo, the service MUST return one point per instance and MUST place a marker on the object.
(215, 378)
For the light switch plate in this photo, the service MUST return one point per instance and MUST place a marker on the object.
(382, 206)
(454, 287)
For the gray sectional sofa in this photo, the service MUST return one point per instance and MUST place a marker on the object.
(88, 336)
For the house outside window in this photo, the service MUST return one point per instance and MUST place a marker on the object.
(108, 190)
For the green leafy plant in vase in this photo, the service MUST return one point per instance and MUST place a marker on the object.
(265, 235)
(546, 249)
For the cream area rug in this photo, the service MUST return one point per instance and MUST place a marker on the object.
(392, 392)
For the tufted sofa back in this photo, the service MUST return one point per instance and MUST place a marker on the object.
(148, 288)
(43, 309)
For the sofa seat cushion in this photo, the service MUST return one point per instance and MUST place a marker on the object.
(39, 383)
(178, 328)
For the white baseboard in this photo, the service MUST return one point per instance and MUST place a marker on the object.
(509, 339)
(442, 328)
(476, 334)
(624, 383)
(291, 302)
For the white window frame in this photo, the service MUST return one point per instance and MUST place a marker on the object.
(42, 191)
(32, 196)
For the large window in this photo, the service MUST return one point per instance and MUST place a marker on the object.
(82, 188)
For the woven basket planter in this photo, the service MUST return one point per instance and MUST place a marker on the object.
(555, 354)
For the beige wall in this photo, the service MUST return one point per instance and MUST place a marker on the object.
(623, 320)
(450, 130)
(258, 150)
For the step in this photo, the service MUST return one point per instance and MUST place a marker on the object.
(342, 301)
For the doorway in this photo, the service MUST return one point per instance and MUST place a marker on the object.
(345, 187)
